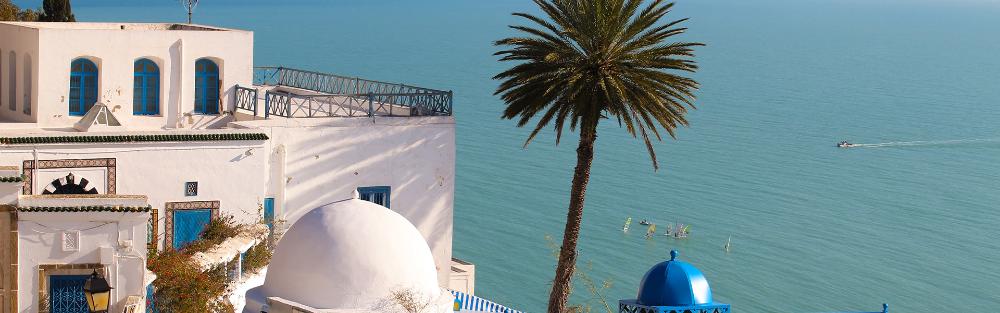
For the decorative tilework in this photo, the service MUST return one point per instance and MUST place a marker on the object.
(109, 163)
(152, 237)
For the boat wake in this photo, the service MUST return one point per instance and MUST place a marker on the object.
(921, 143)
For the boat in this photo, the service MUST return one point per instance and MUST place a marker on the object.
(628, 221)
(845, 144)
(644, 222)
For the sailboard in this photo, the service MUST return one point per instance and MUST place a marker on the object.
(628, 221)
(651, 231)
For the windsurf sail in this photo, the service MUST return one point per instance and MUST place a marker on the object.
(628, 221)
(651, 230)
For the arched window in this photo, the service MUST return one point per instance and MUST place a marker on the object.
(146, 88)
(27, 84)
(206, 87)
(82, 86)
(12, 80)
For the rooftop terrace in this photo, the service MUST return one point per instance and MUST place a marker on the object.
(280, 92)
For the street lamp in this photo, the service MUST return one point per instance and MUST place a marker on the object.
(97, 292)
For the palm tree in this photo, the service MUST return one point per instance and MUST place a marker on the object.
(591, 60)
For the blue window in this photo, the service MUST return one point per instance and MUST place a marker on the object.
(206, 87)
(66, 294)
(269, 212)
(146, 88)
(151, 299)
(188, 226)
(82, 87)
(376, 194)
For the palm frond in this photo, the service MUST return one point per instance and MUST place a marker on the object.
(588, 60)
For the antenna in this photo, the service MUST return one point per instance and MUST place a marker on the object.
(190, 5)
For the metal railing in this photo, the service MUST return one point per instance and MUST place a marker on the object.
(328, 95)
(246, 99)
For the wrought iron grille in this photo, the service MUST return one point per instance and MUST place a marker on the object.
(66, 294)
(315, 94)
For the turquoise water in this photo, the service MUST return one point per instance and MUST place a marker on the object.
(814, 228)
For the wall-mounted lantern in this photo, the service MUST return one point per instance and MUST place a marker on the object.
(98, 293)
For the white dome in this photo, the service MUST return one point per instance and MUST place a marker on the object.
(351, 255)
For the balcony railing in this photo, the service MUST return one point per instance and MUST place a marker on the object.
(297, 93)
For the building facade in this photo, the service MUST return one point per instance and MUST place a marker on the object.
(125, 137)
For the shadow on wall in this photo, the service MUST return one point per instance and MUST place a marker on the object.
(172, 106)
(326, 164)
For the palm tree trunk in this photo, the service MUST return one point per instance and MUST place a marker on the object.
(562, 284)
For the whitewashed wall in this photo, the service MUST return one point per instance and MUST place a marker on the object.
(326, 159)
(40, 243)
(24, 42)
(114, 51)
(224, 171)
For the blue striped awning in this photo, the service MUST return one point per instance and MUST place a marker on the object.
(465, 302)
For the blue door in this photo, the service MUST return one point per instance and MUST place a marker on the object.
(269, 212)
(188, 225)
(66, 294)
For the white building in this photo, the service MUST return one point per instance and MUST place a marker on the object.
(365, 268)
(117, 138)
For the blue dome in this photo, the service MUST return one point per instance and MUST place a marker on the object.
(674, 283)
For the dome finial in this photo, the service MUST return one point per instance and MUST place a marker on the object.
(673, 254)
(355, 194)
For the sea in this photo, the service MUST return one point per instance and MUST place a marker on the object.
(909, 218)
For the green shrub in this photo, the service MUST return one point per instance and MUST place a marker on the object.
(220, 229)
(256, 258)
(181, 287)
(217, 231)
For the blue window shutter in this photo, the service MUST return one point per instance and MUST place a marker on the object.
(269, 212)
(146, 88)
(376, 194)
(188, 226)
(206, 87)
(82, 86)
